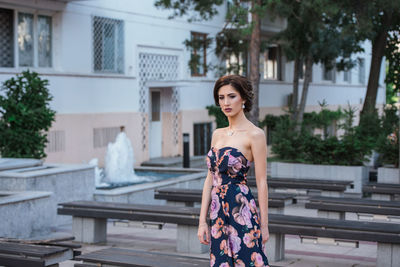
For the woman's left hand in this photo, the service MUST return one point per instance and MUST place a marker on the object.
(264, 233)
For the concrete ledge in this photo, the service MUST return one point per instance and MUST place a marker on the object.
(25, 214)
(388, 175)
(357, 174)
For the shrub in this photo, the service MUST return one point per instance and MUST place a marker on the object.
(25, 116)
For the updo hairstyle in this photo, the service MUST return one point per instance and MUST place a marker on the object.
(241, 84)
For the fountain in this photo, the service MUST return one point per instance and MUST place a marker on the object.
(120, 182)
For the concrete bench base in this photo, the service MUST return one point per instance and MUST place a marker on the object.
(187, 240)
(388, 255)
(275, 247)
(89, 230)
(331, 214)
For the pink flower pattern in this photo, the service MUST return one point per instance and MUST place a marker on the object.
(235, 233)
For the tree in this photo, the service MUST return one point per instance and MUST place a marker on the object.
(317, 32)
(25, 116)
(236, 19)
(376, 21)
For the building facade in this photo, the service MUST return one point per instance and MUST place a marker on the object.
(122, 65)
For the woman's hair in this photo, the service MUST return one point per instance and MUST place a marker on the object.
(241, 84)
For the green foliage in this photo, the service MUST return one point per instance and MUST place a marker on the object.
(220, 117)
(307, 147)
(388, 139)
(25, 116)
(392, 54)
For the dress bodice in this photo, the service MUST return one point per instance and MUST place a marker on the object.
(227, 165)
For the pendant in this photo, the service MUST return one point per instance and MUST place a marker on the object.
(230, 133)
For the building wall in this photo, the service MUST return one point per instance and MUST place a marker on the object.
(86, 100)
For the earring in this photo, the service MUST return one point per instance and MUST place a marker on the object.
(243, 105)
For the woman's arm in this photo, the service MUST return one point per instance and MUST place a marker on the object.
(259, 151)
(204, 232)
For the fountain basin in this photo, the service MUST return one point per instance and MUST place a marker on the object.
(144, 193)
(25, 214)
(67, 182)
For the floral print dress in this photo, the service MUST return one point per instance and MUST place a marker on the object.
(235, 226)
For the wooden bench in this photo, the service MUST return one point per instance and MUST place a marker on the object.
(383, 191)
(388, 238)
(35, 255)
(89, 224)
(138, 258)
(306, 186)
(336, 208)
(276, 201)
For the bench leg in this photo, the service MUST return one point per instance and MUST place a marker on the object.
(275, 247)
(331, 214)
(187, 240)
(89, 230)
(388, 255)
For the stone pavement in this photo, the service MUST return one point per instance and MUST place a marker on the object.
(298, 254)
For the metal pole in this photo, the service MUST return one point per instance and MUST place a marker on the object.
(186, 154)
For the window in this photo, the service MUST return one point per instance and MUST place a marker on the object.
(328, 74)
(108, 45)
(347, 76)
(155, 105)
(361, 70)
(270, 64)
(202, 138)
(34, 34)
(236, 64)
(198, 57)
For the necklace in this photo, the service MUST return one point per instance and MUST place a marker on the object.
(230, 131)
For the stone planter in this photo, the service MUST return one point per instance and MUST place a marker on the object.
(357, 174)
(388, 175)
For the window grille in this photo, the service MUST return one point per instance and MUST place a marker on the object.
(6, 38)
(108, 45)
(56, 141)
(103, 136)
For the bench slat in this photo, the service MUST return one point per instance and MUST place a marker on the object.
(382, 188)
(353, 208)
(189, 219)
(132, 207)
(15, 261)
(328, 185)
(30, 250)
(355, 201)
(132, 258)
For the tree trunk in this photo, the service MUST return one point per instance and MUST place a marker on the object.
(378, 51)
(295, 95)
(255, 43)
(306, 83)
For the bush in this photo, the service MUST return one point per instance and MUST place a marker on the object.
(387, 144)
(306, 147)
(220, 117)
(25, 116)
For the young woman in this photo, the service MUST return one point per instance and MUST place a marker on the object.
(238, 233)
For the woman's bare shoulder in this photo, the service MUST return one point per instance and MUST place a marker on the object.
(217, 135)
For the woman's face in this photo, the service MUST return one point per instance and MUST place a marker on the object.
(229, 100)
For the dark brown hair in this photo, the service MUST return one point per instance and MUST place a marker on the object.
(241, 84)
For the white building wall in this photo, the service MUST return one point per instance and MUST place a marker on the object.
(85, 99)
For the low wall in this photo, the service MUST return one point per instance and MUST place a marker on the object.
(144, 193)
(388, 175)
(25, 214)
(357, 174)
(66, 182)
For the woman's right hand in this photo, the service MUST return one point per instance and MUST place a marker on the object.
(204, 233)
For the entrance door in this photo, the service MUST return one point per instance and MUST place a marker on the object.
(155, 124)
